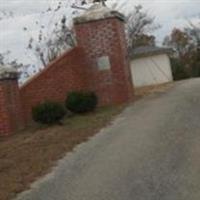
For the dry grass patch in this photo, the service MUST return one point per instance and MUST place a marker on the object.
(28, 155)
(147, 90)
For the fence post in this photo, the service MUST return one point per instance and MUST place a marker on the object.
(11, 118)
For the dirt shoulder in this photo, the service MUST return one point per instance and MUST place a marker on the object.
(148, 90)
(28, 155)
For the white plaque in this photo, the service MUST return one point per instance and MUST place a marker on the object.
(103, 63)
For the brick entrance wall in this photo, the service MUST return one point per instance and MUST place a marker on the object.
(10, 107)
(65, 74)
(106, 37)
(99, 63)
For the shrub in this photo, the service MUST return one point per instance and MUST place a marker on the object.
(48, 112)
(81, 102)
(178, 69)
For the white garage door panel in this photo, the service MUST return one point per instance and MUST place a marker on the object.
(151, 70)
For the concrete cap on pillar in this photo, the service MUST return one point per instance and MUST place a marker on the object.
(98, 12)
(8, 72)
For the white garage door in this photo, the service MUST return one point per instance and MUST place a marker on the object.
(151, 70)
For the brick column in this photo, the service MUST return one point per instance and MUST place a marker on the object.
(10, 108)
(101, 33)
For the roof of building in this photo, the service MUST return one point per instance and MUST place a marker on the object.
(145, 51)
(98, 12)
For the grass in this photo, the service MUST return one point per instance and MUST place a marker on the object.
(152, 89)
(30, 154)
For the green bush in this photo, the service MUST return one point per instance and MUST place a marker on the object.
(48, 112)
(179, 70)
(81, 102)
(195, 69)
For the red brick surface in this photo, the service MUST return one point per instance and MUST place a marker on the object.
(63, 75)
(75, 70)
(10, 107)
(106, 37)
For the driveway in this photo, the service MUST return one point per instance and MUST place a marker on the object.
(151, 152)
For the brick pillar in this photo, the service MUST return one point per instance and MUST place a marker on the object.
(10, 108)
(101, 33)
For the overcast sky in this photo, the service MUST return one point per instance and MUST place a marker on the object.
(168, 13)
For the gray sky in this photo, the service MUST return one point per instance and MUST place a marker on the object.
(168, 13)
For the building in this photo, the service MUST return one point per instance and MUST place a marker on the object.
(150, 65)
(98, 63)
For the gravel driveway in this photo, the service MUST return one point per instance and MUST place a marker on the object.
(151, 152)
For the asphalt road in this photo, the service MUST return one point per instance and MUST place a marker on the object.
(151, 152)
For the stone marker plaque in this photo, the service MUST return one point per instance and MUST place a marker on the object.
(103, 63)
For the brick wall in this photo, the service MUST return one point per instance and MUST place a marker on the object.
(74, 70)
(106, 37)
(63, 75)
(77, 69)
(10, 107)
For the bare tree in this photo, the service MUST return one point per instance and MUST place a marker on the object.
(140, 24)
(47, 48)
(179, 40)
(194, 32)
(186, 43)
